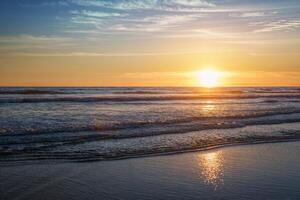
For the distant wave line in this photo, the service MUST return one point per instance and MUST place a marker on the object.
(139, 98)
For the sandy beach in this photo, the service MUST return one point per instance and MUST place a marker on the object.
(261, 171)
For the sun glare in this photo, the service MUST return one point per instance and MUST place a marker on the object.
(209, 78)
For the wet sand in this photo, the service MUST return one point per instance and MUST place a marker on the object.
(261, 171)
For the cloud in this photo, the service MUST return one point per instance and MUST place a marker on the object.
(86, 20)
(122, 5)
(96, 18)
(96, 54)
(188, 3)
(154, 23)
(31, 43)
(133, 22)
(97, 14)
(45, 4)
(279, 25)
(252, 14)
(202, 33)
(184, 5)
(31, 39)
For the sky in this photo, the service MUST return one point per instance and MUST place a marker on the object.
(149, 42)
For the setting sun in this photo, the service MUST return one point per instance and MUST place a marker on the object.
(209, 78)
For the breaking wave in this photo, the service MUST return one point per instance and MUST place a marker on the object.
(83, 124)
(139, 98)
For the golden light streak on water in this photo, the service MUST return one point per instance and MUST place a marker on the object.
(212, 166)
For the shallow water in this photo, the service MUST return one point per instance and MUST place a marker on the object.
(262, 171)
(108, 123)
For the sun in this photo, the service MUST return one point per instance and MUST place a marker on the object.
(209, 78)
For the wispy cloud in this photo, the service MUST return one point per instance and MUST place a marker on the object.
(122, 5)
(169, 5)
(78, 19)
(154, 23)
(204, 33)
(118, 54)
(135, 16)
(97, 24)
(133, 22)
(31, 43)
(97, 13)
(31, 39)
(50, 3)
(279, 25)
(252, 14)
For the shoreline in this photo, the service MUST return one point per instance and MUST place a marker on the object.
(42, 161)
(260, 171)
(192, 150)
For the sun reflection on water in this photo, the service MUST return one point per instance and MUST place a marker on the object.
(208, 108)
(211, 165)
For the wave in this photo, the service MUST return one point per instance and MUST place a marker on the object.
(52, 139)
(184, 124)
(139, 92)
(182, 91)
(141, 98)
(272, 91)
(147, 90)
(29, 92)
(155, 145)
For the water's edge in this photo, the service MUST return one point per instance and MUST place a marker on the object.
(174, 153)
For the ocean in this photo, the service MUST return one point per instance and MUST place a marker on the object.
(86, 124)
